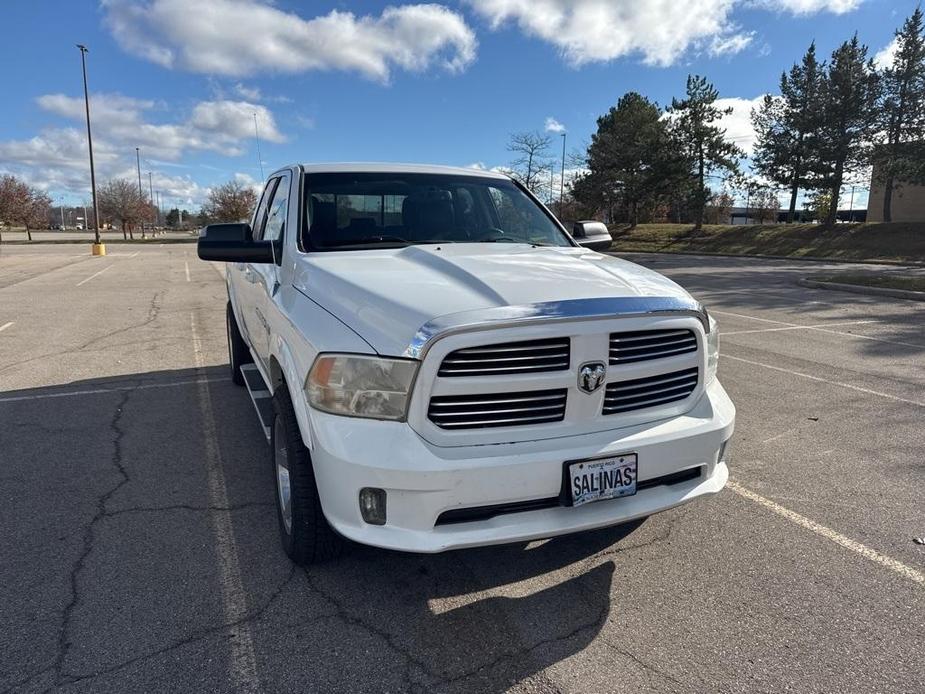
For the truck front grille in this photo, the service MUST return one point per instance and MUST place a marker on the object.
(640, 393)
(497, 409)
(642, 345)
(532, 356)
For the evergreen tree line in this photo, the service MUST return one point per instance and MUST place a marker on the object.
(832, 118)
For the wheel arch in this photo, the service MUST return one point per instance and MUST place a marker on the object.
(284, 372)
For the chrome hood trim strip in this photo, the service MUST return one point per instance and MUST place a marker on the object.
(573, 309)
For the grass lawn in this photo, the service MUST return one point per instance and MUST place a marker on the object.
(898, 241)
(889, 281)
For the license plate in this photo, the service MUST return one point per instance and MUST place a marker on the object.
(601, 478)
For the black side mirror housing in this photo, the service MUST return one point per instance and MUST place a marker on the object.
(592, 235)
(234, 243)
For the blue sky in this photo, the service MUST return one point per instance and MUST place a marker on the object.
(355, 81)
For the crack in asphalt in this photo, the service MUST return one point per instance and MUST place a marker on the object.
(199, 635)
(436, 679)
(154, 308)
(63, 643)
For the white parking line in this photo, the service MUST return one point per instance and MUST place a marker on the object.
(186, 265)
(822, 327)
(799, 327)
(95, 274)
(829, 534)
(825, 380)
(97, 391)
(742, 315)
(134, 254)
(234, 600)
(6, 325)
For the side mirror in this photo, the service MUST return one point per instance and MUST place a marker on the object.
(592, 235)
(234, 243)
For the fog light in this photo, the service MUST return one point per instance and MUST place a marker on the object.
(372, 505)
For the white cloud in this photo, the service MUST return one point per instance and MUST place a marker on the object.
(56, 159)
(553, 126)
(730, 44)
(886, 55)
(738, 124)
(249, 93)
(587, 31)
(812, 6)
(245, 37)
(218, 126)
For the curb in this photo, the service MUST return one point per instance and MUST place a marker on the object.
(810, 258)
(861, 289)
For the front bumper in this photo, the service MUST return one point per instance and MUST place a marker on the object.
(422, 481)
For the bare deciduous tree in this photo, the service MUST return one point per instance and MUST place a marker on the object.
(533, 164)
(230, 202)
(119, 200)
(22, 204)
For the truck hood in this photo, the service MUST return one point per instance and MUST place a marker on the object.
(387, 295)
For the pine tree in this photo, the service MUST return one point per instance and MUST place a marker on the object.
(902, 112)
(631, 157)
(702, 141)
(849, 99)
(785, 126)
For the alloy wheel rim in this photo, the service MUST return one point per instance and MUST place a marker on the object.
(283, 486)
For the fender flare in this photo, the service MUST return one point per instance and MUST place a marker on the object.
(290, 376)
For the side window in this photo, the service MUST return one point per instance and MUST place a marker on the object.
(277, 211)
(260, 216)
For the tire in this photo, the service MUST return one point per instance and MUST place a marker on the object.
(238, 352)
(306, 535)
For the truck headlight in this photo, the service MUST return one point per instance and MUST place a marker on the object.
(712, 351)
(361, 386)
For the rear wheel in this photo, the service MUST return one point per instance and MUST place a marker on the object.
(238, 353)
(306, 535)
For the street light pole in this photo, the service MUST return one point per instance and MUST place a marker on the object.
(140, 194)
(151, 193)
(96, 209)
(562, 179)
(257, 138)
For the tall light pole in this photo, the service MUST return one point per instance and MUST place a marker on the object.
(141, 195)
(257, 138)
(151, 193)
(562, 179)
(96, 209)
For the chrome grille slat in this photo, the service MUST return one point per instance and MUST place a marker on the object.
(620, 337)
(497, 409)
(495, 360)
(640, 393)
(644, 345)
(504, 410)
(662, 344)
(652, 354)
(500, 422)
(500, 349)
(530, 356)
(495, 402)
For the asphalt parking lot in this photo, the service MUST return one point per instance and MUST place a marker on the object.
(139, 549)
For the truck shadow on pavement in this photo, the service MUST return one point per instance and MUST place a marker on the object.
(108, 477)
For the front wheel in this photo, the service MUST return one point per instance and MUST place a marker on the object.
(306, 535)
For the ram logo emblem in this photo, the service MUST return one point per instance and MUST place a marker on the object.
(591, 376)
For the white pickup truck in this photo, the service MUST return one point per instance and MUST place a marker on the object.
(437, 363)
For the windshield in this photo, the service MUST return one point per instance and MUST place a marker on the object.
(363, 210)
